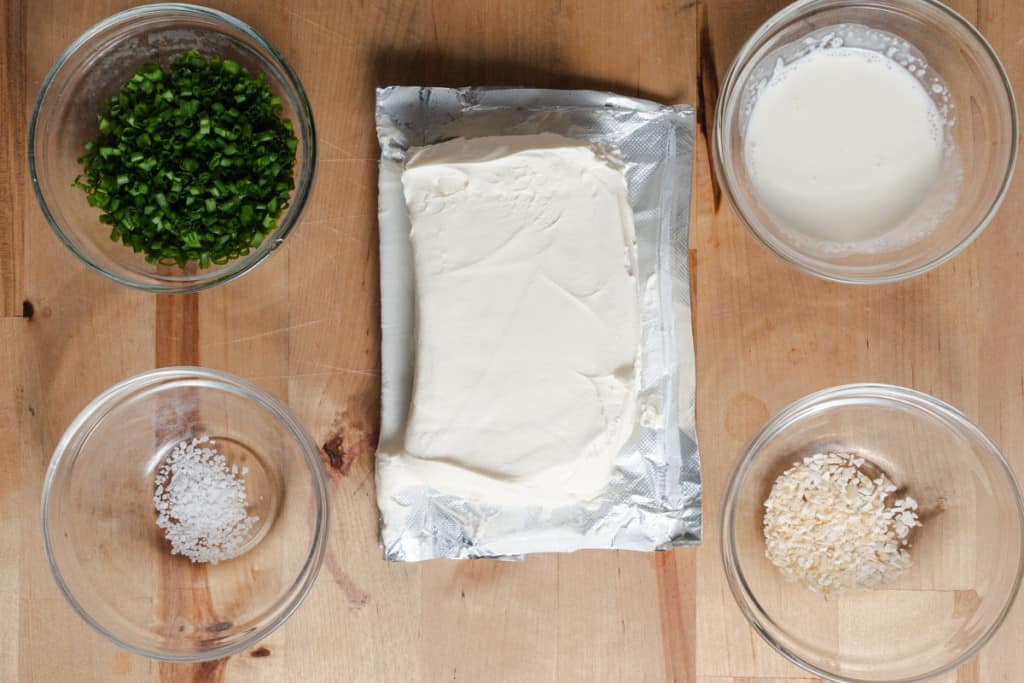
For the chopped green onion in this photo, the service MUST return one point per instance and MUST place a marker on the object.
(192, 163)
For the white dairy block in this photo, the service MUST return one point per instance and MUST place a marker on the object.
(528, 321)
(843, 144)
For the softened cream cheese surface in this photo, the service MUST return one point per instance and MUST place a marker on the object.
(528, 320)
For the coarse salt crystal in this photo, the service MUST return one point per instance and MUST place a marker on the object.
(201, 504)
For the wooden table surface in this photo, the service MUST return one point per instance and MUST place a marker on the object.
(305, 326)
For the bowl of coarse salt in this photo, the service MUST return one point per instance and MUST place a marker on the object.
(873, 533)
(184, 514)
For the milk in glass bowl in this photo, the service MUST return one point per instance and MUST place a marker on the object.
(866, 142)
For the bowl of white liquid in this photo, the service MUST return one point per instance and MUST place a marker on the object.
(866, 141)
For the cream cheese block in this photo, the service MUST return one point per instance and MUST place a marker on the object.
(527, 321)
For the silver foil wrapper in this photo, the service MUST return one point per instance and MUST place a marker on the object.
(653, 500)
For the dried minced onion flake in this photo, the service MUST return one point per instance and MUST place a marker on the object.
(201, 503)
(828, 526)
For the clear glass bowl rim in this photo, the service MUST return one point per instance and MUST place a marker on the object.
(851, 393)
(728, 91)
(240, 387)
(304, 181)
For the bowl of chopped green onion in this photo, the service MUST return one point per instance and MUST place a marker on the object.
(172, 148)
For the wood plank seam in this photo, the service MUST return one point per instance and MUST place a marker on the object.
(12, 157)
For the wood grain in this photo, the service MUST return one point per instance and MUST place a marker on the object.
(305, 325)
(13, 173)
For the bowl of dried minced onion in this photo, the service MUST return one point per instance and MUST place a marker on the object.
(873, 533)
(185, 514)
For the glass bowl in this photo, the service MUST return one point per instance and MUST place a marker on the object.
(113, 562)
(967, 555)
(980, 138)
(93, 69)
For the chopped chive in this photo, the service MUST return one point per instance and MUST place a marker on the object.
(192, 163)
